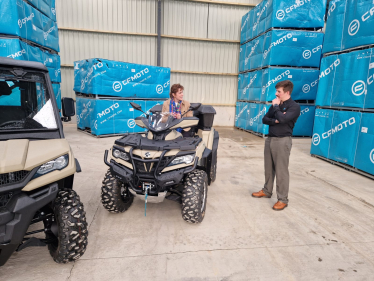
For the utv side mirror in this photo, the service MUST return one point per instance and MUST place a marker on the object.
(68, 109)
(195, 106)
(136, 106)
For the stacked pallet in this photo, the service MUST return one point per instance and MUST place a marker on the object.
(104, 90)
(28, 31)
(344, 120)
(279, 42)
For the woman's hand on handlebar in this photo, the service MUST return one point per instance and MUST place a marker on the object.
(176, 115)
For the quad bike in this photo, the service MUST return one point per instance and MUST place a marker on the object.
(37, 167)
(164, 164)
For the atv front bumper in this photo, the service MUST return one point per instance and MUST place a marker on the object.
(16, 216)
(133, 179)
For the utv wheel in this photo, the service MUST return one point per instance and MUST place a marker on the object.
(68, 232)
(115, 196)
(194, 197)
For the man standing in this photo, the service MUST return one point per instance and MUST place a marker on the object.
(281, 118)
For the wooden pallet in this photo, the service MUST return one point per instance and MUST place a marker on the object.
(345, 166)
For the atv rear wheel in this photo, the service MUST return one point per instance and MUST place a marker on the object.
(115, 195)
(213, 170)
(194, 197)
(69, 229)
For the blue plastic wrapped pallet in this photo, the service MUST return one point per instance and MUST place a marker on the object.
(355, 18)
(260, 85)
(283, 48)
(305, 82)
(104, 117)
(346, 137)
(47, 7)
(364, 159)
(121, 79)
(304, 124)
(19, 50)
(282, 14)
(347, 80)
(20, 19)
(335, 135)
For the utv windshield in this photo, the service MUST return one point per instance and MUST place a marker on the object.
(160, 121)
(25, 102)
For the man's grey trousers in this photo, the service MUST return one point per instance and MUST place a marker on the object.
(277, 155)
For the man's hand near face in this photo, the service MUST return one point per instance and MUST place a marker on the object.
(276, 101)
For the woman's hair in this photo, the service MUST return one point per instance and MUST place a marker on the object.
(174, 89)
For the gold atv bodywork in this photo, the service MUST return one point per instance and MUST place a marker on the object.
(23, 154)
(207, 142)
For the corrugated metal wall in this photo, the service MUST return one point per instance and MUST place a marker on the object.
(94, 28)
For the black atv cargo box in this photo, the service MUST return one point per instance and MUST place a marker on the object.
(205, 113)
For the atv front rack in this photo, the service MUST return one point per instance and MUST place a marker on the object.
(161, 180)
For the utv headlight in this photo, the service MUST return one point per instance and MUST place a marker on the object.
(186, 159)
(57, 164)
(122, 155)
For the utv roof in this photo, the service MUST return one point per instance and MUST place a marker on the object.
(22, 64)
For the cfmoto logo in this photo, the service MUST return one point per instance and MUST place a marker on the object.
(354, 27)
(147, 154)
(307, 54)
(359, 88)
(159, 89)
(372, 156)
(280, 14)
(316, 139)
(117, 86)
(131, 123)
(306, 88)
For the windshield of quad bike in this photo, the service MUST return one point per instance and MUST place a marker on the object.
(25, 102)
(161, 121)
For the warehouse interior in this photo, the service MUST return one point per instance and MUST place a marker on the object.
(227, 54)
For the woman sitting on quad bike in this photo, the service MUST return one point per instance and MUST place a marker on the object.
(178, 107)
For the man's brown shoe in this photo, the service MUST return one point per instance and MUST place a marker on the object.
(260, 194)
(279, 206)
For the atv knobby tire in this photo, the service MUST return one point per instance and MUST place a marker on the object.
(213, 169)
(195, 196)
(70, 219)
(115, 196)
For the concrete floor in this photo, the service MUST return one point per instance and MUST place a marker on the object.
(326, 233)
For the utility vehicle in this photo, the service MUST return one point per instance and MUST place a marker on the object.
(37, 167)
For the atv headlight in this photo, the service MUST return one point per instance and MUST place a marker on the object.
(120, 154)
(186, 159)
(57, 164)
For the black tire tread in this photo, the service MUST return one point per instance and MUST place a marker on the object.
(72, 227)
(192, 191)
(111, 197)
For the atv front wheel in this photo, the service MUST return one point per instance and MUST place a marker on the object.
(194, 197)
(115, 196)
(68, 233)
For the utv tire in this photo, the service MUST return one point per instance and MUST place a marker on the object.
(213, 170)
(195, 196)
(115, 196)
(70, 221)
